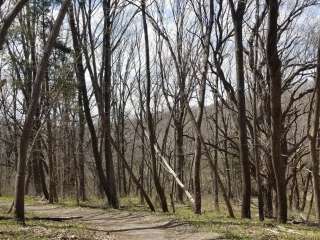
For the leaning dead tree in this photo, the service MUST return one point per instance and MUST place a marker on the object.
(171, 171)
(27, 127)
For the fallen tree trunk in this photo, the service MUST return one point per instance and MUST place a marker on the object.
(171, 171)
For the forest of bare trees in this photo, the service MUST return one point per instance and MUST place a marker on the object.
(168, 101)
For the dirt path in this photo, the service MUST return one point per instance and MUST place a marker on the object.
(124, 225)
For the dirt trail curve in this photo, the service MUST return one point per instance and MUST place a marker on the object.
(124, 225)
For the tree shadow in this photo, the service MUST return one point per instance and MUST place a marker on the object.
(107, 217)
(168, 225)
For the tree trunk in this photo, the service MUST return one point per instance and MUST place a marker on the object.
(202, 90)
(80, 73)
(43, 180)
(256, 136)
(237, 17)
(274, 67)
(113, 195)
(36, 163)
(180, 157)
(226, 157)
(152, 137)
(216, 142)
(27, 126)
(52, 169)
(82, 187)
(256, 144)
(305, 193)
(143, 158)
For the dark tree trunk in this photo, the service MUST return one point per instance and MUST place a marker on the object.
(180, 158)
(36, 148)
(80, 73)
(305, 192)
(237, 17)
(151, 128)
(123, 150)
(113, 195)
(143, 157)
(43, 180)
(216, 142)
(82, 187)
(52, 166)
(226, 157)
(256, 144)
(268, 199)
(256, 135)
(202, 90)
(274, 67)
(36, 156)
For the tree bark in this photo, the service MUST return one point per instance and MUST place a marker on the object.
(82, 178)
(305, 193)
(216, 142)
(274, 67)
(237, 17)
(202, 90)
(256, 136)
(113, 195)
(180, 155)
(52, 169)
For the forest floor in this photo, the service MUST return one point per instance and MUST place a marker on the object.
(131, 223)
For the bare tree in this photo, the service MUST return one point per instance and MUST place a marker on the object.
(202, 91)
(274, 70)
(237, 17)
(82, 88)
(27, 127)
(150, 121)
(113, 198)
